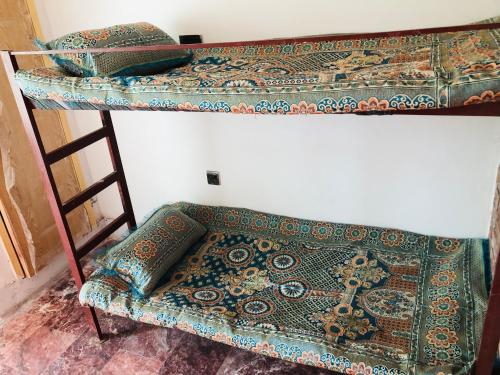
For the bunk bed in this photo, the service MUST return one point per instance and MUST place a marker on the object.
(353, 299)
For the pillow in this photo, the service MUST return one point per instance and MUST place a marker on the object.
(116, 63)
(145, 255)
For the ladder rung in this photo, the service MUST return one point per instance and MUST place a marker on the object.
(76, 145)
(89, 192)
(102, 235)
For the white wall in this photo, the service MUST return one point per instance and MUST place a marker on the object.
(428, 174)
(7, 275)
(17, 291)
(14, 291)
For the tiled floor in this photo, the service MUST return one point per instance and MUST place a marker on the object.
(50, 336)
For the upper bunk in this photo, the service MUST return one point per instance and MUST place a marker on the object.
(439, 71)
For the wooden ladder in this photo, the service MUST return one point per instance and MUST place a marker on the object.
(59, 208)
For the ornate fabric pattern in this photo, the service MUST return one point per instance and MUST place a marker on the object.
(349, 298)
(116, 64)
(359, 75)
(144, 256)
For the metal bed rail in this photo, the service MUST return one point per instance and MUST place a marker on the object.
(59, 208)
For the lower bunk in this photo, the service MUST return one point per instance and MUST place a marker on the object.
(349, 298)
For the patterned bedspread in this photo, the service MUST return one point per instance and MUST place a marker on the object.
(359, 75)
(355, 299)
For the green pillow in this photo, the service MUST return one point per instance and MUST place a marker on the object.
(116, 63)
(144, 256)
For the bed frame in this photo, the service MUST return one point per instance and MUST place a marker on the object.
(491, 330)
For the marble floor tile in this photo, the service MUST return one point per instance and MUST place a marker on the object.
(87, 355)
(242, 362)
(6, 370)
(40, 350)
(195, 355)
(49, 335)
(124, 362)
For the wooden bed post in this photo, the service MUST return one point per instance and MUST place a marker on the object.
(116, 161)
(491, 330)
(60, 209)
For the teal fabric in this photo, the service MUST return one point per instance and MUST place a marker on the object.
(489, 20)
(146, 254)
(116, 64)
(350, 298)
(412, 72)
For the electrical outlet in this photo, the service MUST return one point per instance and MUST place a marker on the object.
(213, 178)
(189, 39)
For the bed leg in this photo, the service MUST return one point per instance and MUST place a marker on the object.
(491, 329)
(490, 338)
(93, 321)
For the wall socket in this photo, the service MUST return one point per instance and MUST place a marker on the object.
(213, 178)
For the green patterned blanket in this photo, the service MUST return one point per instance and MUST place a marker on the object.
(355, 299)
(357, 75)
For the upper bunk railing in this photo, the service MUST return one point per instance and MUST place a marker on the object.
(481, 109)
(277, 41)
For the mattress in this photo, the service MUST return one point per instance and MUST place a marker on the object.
(349, 298)
(409, 72)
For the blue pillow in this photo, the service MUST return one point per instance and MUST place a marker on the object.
(144, 256)
(116, 63)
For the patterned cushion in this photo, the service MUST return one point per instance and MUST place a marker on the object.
(144, 256)
(349, 298)
(116, 64)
